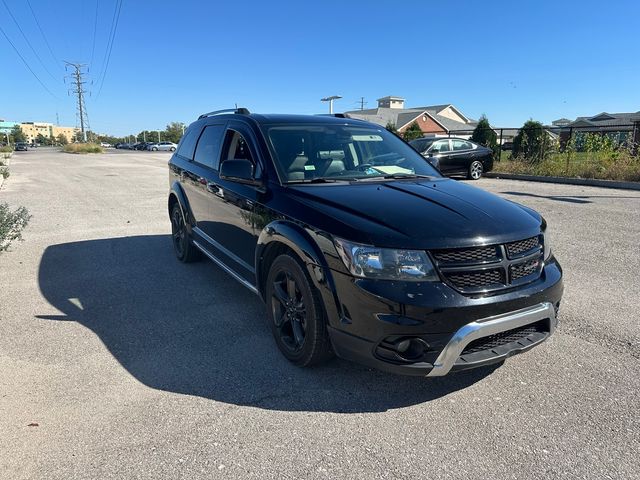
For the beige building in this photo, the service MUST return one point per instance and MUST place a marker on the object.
(31, 130)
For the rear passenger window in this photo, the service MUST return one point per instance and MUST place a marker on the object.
(208, 149)
(188, 143)
(461, 145)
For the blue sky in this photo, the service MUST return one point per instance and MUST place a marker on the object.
(171, 60)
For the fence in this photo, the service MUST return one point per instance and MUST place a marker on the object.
(536, 143)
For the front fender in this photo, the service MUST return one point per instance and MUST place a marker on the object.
(306, 247)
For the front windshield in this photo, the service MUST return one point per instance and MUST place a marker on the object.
(305, 153)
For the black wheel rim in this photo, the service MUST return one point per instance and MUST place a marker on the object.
(178, 232)
(289, 311)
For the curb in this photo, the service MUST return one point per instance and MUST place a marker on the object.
(567, 180)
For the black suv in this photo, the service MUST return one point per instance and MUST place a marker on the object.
(358, 246)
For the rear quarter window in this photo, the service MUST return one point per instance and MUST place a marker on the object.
(187, 144)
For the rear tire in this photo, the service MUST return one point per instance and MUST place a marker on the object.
(172, 149)
(296, 313)
(476, 169)
(183, 247)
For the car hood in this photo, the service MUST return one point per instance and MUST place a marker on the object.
(439, 213)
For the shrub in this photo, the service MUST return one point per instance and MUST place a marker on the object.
(82, 148)
(4, 171)
(412, 132)
(11, 225)
(531, 143)
(485, 135)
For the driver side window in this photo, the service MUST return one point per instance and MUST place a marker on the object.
(236, 147)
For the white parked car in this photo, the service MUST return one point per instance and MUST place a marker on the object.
(164, 146)
(105, 144)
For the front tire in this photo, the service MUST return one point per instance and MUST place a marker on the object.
(172, 149)
(183, 247)
(296, 314)
(154, 149)
(476, 169)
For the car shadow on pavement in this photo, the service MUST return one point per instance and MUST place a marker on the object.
(191, 329)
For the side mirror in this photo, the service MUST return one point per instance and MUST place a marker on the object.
(433, 151)
(239, 170)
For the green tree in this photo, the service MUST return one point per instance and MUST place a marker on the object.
(173, 132)
(41, 139)
(531, 142)
(391, 127)
(412, 132)
(485, 135)
(17, 134)
(62, 139)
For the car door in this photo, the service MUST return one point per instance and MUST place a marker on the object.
(202, 175)
(182, 170)
(461, 155)
(233, 226)
(440, 151)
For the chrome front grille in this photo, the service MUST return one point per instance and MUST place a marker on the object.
(490, 268)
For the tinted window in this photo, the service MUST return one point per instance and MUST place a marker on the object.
(188, 143)
(442, 145)
(421, 145)
(208, 149)
(461, 145)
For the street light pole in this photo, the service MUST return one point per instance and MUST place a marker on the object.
(330, 100)
(158, 136)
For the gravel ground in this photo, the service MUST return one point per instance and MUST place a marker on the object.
(116, 361)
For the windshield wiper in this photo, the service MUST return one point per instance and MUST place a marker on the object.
(405, 175)
(317, 180)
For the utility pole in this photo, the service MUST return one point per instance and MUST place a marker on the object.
(158, 136)
(362, 103)
(78, 89)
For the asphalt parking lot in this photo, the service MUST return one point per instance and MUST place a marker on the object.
(116, 361)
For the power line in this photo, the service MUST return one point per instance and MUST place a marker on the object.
(110, 45)
(43, 35)
(27, 40)
(27, 65)
(95, 27)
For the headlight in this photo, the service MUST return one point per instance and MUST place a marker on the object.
(547, 243)
(366, 261)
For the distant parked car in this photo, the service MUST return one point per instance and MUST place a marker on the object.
(21, 146)
(105, 144)
(506, 146)
(143, 145)
(455, 156)
(164, 146)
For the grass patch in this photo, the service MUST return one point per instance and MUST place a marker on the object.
(618, 165)
(82, 148)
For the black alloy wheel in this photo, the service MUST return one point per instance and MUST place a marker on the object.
(185, 250)
(296, 315)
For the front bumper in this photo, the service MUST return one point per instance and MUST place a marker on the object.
(372, 318)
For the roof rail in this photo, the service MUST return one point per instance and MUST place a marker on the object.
(239, 111)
